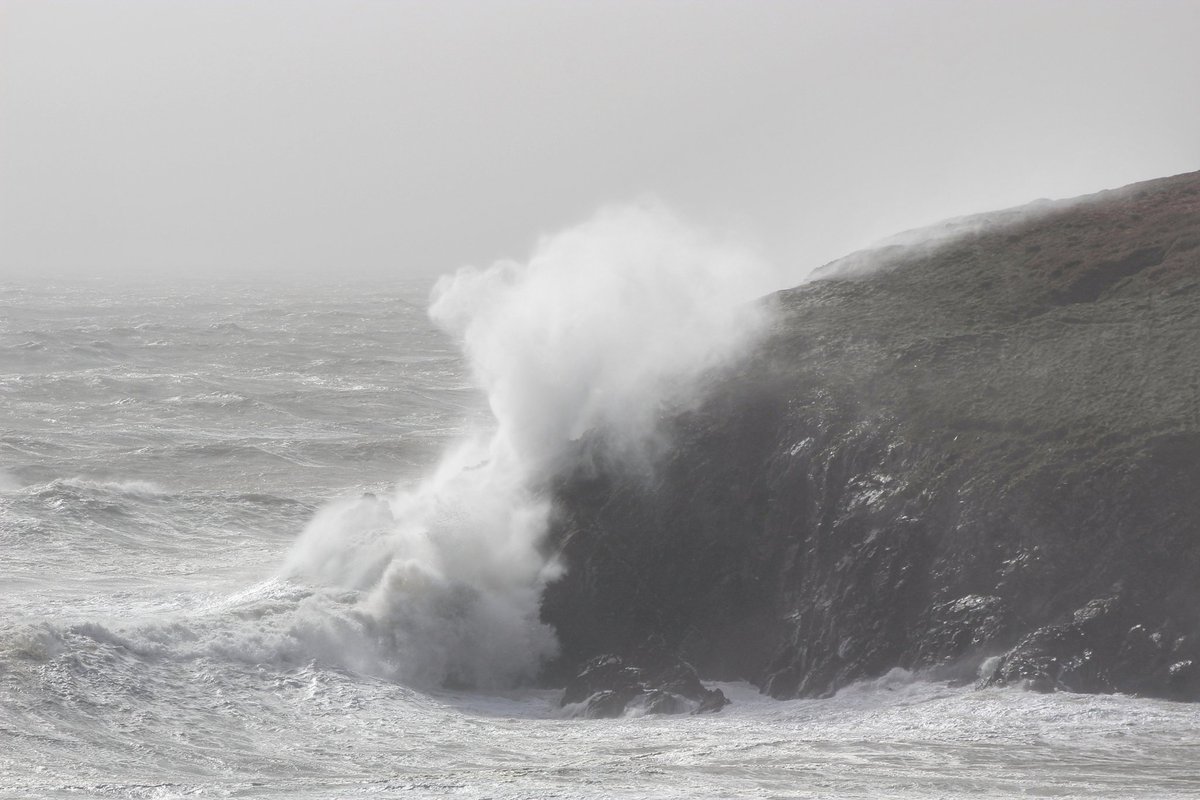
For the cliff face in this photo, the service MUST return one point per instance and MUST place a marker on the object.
(990, 447)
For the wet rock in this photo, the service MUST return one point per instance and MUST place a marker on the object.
(956, 632)
(1183, 680)
(1075, 656)
(1099, 651)
(611, 686)
(1158, 663)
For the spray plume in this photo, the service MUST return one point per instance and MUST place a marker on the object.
(603, 328)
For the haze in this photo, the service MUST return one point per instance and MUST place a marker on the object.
(373, 140)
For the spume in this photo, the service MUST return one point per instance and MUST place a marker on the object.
(605, 327)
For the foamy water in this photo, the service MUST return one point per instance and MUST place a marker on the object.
(161, 453)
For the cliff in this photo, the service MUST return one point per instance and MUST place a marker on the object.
(985, 445)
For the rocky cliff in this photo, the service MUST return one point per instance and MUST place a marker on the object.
(977, 455)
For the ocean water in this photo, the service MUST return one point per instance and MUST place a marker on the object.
(162, 450)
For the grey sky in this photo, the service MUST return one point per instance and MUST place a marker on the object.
(393, 138)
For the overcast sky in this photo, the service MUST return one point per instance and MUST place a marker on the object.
(390, 138)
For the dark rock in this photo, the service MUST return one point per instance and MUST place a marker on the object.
(1076, 656)
(608, 704)
(610, 686)
(941, 453)
(606, 673)
(954, 634)
(1098, 651)
(1183, 679)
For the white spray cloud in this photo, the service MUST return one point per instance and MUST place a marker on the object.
(606, 325)
(923, 242)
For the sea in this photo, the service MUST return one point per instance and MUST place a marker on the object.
(163, 448)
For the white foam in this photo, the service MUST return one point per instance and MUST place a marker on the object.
(586, 342)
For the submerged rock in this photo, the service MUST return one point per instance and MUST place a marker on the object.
(986, 446)
(610, 686)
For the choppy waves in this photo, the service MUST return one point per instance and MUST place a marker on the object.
(216, 703)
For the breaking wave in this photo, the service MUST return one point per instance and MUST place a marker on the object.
(579, 350)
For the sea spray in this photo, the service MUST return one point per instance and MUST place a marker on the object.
(580, 349)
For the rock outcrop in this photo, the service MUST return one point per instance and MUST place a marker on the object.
(653, 681)
(981, 447)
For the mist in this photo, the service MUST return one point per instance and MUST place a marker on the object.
(338, 141)
(447, 574)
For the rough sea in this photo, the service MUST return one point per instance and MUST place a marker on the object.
(161, 452)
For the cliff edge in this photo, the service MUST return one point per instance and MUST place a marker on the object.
(976, 454)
